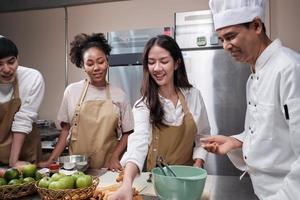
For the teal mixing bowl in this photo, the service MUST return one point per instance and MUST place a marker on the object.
(187, 185)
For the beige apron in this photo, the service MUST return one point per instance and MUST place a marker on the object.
(31, 150)
(93, 130)
(174, 143)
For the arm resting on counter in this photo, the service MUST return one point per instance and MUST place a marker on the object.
(17, 143)
(125, 191)
(114, 162)
(60, 146)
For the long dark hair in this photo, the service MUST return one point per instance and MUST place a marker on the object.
(149, 89)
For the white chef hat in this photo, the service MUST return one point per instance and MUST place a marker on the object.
(232, 12)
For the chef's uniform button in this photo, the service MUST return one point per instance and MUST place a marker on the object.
(251, 77)
(257, 78)
(249, 103)
(245, 157)
(249, 127)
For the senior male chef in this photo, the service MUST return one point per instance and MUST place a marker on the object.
(269, 147)
(21, 93)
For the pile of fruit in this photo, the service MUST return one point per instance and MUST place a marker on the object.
(60, 181)
(26, 174)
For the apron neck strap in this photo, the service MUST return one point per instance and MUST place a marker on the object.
(85, 88)
(183, 101)
(16, 89)
(107, 91)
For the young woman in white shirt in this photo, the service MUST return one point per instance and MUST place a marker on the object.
(169, 119)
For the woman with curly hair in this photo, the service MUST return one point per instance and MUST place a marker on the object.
(95, 117)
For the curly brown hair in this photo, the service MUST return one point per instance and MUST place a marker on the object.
(83, 42)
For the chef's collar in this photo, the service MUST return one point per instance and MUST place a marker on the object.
(267, 54)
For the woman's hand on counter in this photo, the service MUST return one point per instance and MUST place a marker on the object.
(44, 164)
(198, 163)
(123, 193)
(113, 164)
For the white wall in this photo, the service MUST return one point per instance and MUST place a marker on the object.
(40, 34)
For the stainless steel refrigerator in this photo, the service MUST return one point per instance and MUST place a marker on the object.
(126, 70)
(220, 79)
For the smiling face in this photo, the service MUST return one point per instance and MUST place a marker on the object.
(8, 68)
(95, 65)
(161, 66)
(241, 42)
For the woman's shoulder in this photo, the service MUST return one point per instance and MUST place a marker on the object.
(118, 94)
(192, 91)
(140, 104)
(76, 86)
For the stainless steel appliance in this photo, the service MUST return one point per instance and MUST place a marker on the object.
(126, 70)
(220, 79)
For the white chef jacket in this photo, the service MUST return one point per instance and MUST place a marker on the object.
(139, 140)
(271, 138)
(31, 92)
(119, 99)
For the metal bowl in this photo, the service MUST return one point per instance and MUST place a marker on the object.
(78, 162)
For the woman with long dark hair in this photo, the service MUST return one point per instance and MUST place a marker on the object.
(169, 119)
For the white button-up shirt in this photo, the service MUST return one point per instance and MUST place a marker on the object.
(271, 139)
(31, 92)
(138, 141)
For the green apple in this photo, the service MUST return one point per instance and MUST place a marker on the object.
(44, 182)
(84, 181)
(3, 181)
(28, 180)
(57, 176)
(29, 170)
(15, 182)
(77, 174)
(68, 182)
(11, 173)
(56, 185)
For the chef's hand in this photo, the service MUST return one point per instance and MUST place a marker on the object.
(198, 163)
(44, 164)
(113, 164)
(123, 193)
(220, 144)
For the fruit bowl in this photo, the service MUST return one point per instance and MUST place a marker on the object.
(78, 162)
(17, 191)
(68, 194)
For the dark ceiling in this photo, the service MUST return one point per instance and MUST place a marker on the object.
(21, 5)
